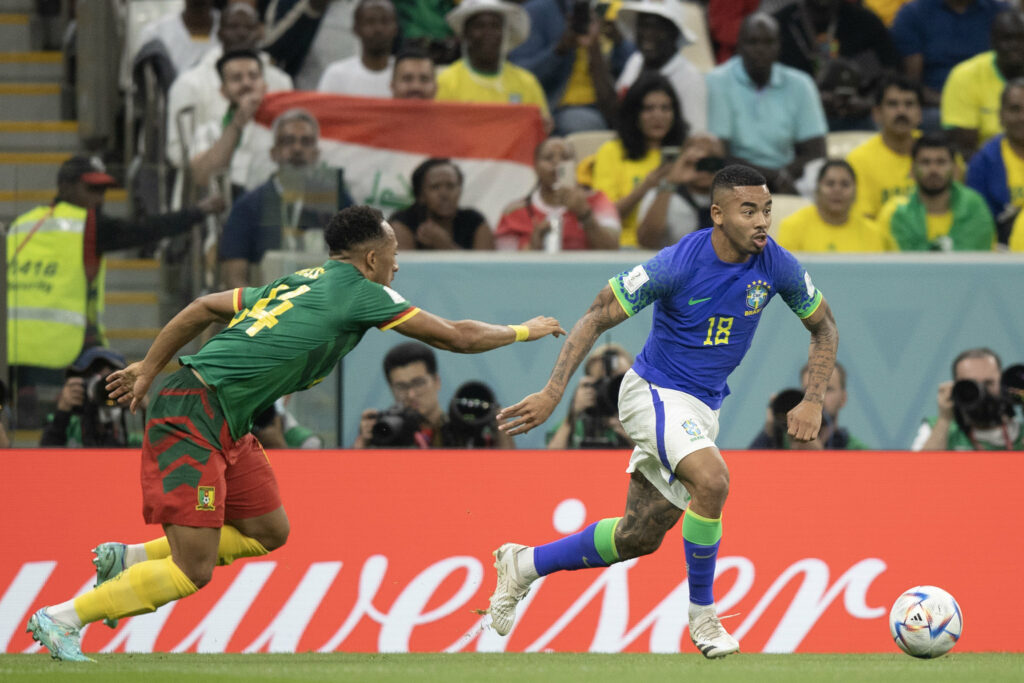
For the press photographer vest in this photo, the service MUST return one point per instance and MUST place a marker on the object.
(50, 299)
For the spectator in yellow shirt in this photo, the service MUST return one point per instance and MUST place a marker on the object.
(830, 224)
(1017, 236)
(628, 167)
(970, 97)
(882, 162)
(488, 29)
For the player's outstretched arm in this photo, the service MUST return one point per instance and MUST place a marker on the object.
(603, 314)
(132, 383)
(473, 336)
(805, 419)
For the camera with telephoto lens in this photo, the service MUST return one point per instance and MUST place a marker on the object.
(96, 391)
(396, 427)
(606, 388)
(596, 433)
(471, 415)
(975, 405)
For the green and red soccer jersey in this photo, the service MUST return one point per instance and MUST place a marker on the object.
(288, 335)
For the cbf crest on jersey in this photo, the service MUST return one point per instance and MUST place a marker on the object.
(757, 296)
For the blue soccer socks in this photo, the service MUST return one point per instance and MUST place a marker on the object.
(592, 547)
(700, 542)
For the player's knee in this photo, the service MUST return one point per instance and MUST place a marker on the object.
(711, 488)
(637, 544)
(276, 537)
(199, 573)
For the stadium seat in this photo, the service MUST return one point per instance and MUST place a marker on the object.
(699, 52)
(839, 143)
(586, 142)
(783, 206)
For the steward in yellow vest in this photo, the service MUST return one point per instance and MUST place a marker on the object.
(55, 266)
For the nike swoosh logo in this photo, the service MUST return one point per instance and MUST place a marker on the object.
(697, 301)
(703, 557)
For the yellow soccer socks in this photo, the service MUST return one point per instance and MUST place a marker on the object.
(139, 589)
(234, 544)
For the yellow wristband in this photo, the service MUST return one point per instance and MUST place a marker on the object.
(522, 332)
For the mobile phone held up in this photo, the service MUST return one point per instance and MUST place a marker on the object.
(565, 174)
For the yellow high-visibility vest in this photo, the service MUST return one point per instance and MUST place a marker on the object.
(47, 289)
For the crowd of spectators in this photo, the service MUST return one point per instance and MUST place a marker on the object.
(937, 86)
(790, 73)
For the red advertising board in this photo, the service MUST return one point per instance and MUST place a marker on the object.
(390, 551)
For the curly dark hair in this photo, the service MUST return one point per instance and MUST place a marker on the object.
(633, 104)
(352, 226)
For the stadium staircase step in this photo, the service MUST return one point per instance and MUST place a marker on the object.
(15, 34)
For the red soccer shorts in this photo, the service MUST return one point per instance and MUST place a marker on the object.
(193, 473)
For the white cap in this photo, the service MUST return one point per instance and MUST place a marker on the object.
(672, 10)
(517, 21)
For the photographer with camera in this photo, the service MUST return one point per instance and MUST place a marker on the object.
(977, 409)
(418, 420)
(830, 437)
(593, 418)
(86, 416)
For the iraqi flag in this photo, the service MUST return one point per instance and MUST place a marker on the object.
(378, 143)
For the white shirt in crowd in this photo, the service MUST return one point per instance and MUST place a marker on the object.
(184, 49)
(680, 218)
(251, 164)
(199, 87)
(351, 77)
(334, 41)
(689, 83)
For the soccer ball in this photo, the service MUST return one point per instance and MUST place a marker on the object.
(926, 622)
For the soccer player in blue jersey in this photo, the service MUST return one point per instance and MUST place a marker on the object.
(709, 291)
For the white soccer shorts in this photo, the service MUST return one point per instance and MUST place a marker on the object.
(666, 425)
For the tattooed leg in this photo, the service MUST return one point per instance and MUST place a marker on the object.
(647, 519)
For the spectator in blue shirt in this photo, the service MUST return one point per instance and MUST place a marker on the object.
(933, 36)
(997, 171)
(768, 115)
(280, 212)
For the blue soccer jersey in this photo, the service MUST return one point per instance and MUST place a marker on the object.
(706, 310)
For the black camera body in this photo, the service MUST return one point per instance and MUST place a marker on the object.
(606, 404)
(96, 391)
(606, 388)
(396, 427)
(974, 405)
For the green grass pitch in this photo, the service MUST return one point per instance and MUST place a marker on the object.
(517, 668)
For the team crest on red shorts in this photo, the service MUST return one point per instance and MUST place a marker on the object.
(206, 494)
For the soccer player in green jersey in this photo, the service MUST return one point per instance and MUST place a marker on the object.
(205, 477)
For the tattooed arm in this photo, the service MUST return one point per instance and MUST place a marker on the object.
(805, 419)
(603, 314)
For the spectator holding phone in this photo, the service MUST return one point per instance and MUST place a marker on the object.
(558, 215)
(681, 203)
(630, 166)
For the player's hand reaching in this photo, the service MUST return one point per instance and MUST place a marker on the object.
(528, 413)
(804, 420)
(129, 386)
(543, 325)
